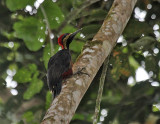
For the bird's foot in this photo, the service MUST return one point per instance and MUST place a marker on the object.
(80, 71)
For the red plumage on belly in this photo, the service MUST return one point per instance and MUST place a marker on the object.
(67, 73)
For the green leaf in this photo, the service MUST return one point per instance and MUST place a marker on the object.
(46, 54)
(48, 99)
(78, 116)
(144, 43)
(139, 90)
(68, 29)
(53, 13)
(125, 50)
(23, 75)
(154, 108)
(90, 30)
(18, 4)
(32, 68)
(136, 29)
(28, 116)
(151, 64)
(76, 46)
(34, 88)
(133, 62)
(97, 15)
(32, 31)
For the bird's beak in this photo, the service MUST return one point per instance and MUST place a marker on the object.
(69, 40)
(74, 34)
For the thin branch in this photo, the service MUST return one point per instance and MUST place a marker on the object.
(48, 27)
(74, 13)
(100, 90)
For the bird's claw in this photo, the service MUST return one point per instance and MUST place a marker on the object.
(80, 72)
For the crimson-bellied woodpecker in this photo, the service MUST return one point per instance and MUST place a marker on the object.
(59, 65)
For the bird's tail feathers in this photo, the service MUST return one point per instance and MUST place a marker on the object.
(57, 88)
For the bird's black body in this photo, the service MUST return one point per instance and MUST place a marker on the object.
(59, 65)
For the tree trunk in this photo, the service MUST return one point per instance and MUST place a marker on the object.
(92, 57)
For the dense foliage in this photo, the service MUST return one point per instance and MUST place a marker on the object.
(132, 89)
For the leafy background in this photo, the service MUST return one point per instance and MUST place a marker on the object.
(25, 51)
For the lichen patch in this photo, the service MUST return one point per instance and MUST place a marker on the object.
(79, 82)
(88, 50)
(60, 108)
(76, 96)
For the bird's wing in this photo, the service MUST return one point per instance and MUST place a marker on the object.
(57, 65)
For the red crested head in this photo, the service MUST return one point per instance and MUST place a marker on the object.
(65, 39)
(60, 42)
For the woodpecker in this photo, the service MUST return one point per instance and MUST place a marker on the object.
(60, 65)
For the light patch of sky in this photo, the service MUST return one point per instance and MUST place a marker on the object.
(14, 92)
(155, 27)
(145, 53)
(51, 36)
(157, 105)
(157, 34)
(41, 28)
(11, 44)
(82, 35)
(57, 19)
(156, 50)
(29, 8)
(11, 72)
(59, 48)
(54, 0)
(10, 83)
(143, 64)
(150, 73)
(104, 112)
(140, 14)
(124, 43)
(49, 53)
(155, 84)
(120, 39)
(149, 6)
(34, 11)
(38, 3)
(153, 16)
(41, 40)
(101, 118)
(99, 123)
(159, 63)
(46, 32)
(131, 81)
(141, 74)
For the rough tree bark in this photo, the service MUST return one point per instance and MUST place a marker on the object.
(92, 57)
